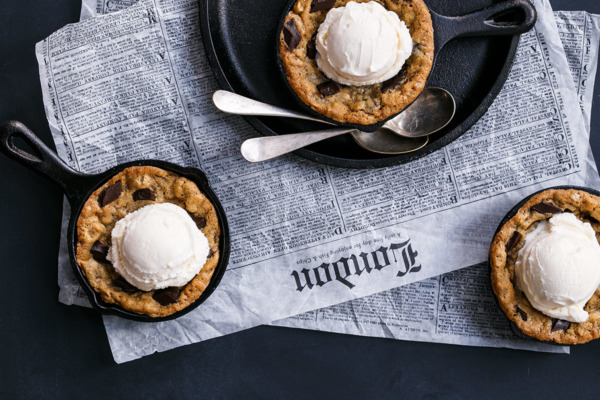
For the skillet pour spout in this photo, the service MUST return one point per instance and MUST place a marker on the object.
(78, 187)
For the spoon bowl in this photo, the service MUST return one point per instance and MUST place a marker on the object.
(431, 111)
(384, 141)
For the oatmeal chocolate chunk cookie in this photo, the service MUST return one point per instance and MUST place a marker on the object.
(124, 193)
(364, 105)
(503, 255)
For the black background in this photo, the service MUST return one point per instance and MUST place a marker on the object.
(49, 350)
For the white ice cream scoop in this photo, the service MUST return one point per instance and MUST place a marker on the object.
(362, 44)
(158, 246)
(558, 267)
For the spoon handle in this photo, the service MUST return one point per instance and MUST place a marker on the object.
(233, 103)
(267, 147)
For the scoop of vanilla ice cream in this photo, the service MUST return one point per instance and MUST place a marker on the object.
(558, 267)
(158, 246)
(362, 44)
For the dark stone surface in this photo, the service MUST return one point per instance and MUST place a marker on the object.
(53, 351)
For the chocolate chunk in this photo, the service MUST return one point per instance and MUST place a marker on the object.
(328, 88)
(210, 254)
(592, 220)
(144, 194)
(586, 217)
(522, 313)
(560, 325)
(291, 36)
(200, 221)
(546, 208)
(321, 5)
(395, 81)
(513, 241)
(99, 252)
(125, 286)
(311, 49)
(109, 194)
(166, 296)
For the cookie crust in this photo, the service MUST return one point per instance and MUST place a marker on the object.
(503, 254)
(363, 105)
(95, 223)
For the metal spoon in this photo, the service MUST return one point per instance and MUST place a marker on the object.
(432, 111)
(382, 141)
(435, 107)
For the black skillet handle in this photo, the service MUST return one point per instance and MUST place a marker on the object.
(509, 17)
(42, 160)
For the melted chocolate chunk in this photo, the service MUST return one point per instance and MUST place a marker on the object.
(166, 296)
(321, 5)
(589, 218)
(546, 208)
(328, 88)
(99, 252)
(560, 325)
(395, 81)
(109, 194)
(125, 286)
(210, 254)
(593, 220)
(311, 49)
(522, 313)
(291, 36)
(513, 241)
(200, 221)
(144, 194)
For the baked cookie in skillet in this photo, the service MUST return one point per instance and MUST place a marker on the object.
(364, 105)
(504, 256)
(126, 192)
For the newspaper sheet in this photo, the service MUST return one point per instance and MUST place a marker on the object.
(135, 84)
(579, 32)
(458, 307)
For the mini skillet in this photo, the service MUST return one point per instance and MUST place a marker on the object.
(508, 18)
(79, 186)
(513, 211)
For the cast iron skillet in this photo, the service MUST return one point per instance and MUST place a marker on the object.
(78, 187)
(239, 39)
(513, 211)
(510, 17)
